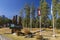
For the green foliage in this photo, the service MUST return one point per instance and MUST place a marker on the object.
(33, 15)
(44, 11)
(27, 11)
(31, 19)
(58, 8)
(37, 22)
(58, 23)
(4, 20)
(54, 3)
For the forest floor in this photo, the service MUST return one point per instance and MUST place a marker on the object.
(47, 33)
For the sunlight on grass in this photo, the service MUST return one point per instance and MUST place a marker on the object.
(15, 37)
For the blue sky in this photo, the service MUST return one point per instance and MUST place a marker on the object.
(9, 8)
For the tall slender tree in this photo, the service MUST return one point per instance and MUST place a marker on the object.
(21, 17)
(44, 11)
(54, 14)
(13, 20)
(27, 11)
(58, 7)
(58, 13)
(33, 15)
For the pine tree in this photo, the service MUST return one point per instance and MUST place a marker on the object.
(33, 15)
(58, 12)
(27, 11)
(44, 11)
(21, 18)
(58, 7)
(54, 14)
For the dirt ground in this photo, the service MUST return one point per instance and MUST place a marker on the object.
(47, 33)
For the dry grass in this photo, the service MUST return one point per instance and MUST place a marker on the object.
(5, 30)
(2, 31)
(15, 37)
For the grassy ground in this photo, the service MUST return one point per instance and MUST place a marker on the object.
(15, 37)
(47, 34)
